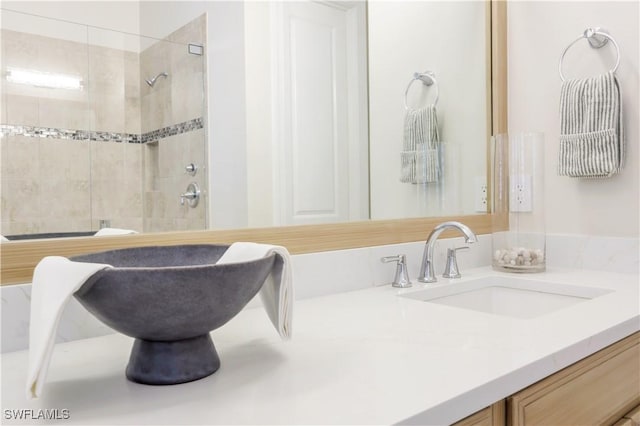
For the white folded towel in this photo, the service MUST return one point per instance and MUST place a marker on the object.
(277, 290)
(114, 231)
(55, 279)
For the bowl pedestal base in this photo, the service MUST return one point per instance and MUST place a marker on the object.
(169, 363)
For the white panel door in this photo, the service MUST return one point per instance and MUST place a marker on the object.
(311, 113)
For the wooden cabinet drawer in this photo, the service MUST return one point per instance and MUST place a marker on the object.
(600, 389)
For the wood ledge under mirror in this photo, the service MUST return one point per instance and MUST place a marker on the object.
(19, 258)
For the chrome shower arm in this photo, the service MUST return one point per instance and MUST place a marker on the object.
(152, 81)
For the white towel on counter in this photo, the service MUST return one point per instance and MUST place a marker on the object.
(3, 238)
(591, 130)
(277, 291)
(114, 231)
(55, 279)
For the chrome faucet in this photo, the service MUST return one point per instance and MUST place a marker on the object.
(426, 269)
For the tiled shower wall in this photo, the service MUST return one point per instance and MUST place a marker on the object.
(165, 105)
(66, 182)
(65, 165)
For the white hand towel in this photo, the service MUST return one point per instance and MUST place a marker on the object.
(277, 290)
(114, 231)
(55, 279)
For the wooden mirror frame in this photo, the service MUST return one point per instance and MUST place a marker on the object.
(19, 258)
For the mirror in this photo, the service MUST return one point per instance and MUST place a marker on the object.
(19, 258)
(320, 88)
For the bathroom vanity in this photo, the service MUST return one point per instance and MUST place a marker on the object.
(603, 388)
(372, 357)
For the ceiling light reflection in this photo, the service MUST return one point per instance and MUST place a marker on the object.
(44, 79)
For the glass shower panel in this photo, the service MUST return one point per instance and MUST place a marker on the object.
(115, 147)
(100, 128)
(45, 122)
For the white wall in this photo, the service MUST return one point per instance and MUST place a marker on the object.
(122, 16)
(116, 15)
(227, 198)
(538, 32)
(259, 115)
(449, 39)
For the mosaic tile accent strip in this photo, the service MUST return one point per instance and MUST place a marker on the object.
(176, 129)
(85, 135)
(43, 132)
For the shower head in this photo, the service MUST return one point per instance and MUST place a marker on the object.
(152, 81)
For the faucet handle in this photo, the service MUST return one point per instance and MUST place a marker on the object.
(451, 269)
(401, 279)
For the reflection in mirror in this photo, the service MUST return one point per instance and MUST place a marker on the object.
(327, 110)
(448, 39)
(306, 112)
(97, 128)
(318, 127)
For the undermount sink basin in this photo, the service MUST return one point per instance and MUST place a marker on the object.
(513, 297)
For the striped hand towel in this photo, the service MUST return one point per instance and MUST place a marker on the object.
(591, 131)
(419, 156)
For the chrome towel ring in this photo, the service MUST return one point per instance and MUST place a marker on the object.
(597, 38)
(428, 78)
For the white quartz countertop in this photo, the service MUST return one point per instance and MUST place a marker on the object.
(364, 357)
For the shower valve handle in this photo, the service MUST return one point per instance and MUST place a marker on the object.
(192, 195)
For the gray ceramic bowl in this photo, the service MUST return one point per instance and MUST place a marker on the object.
(169, 299)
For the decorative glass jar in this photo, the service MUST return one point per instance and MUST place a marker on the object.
(518, 235)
